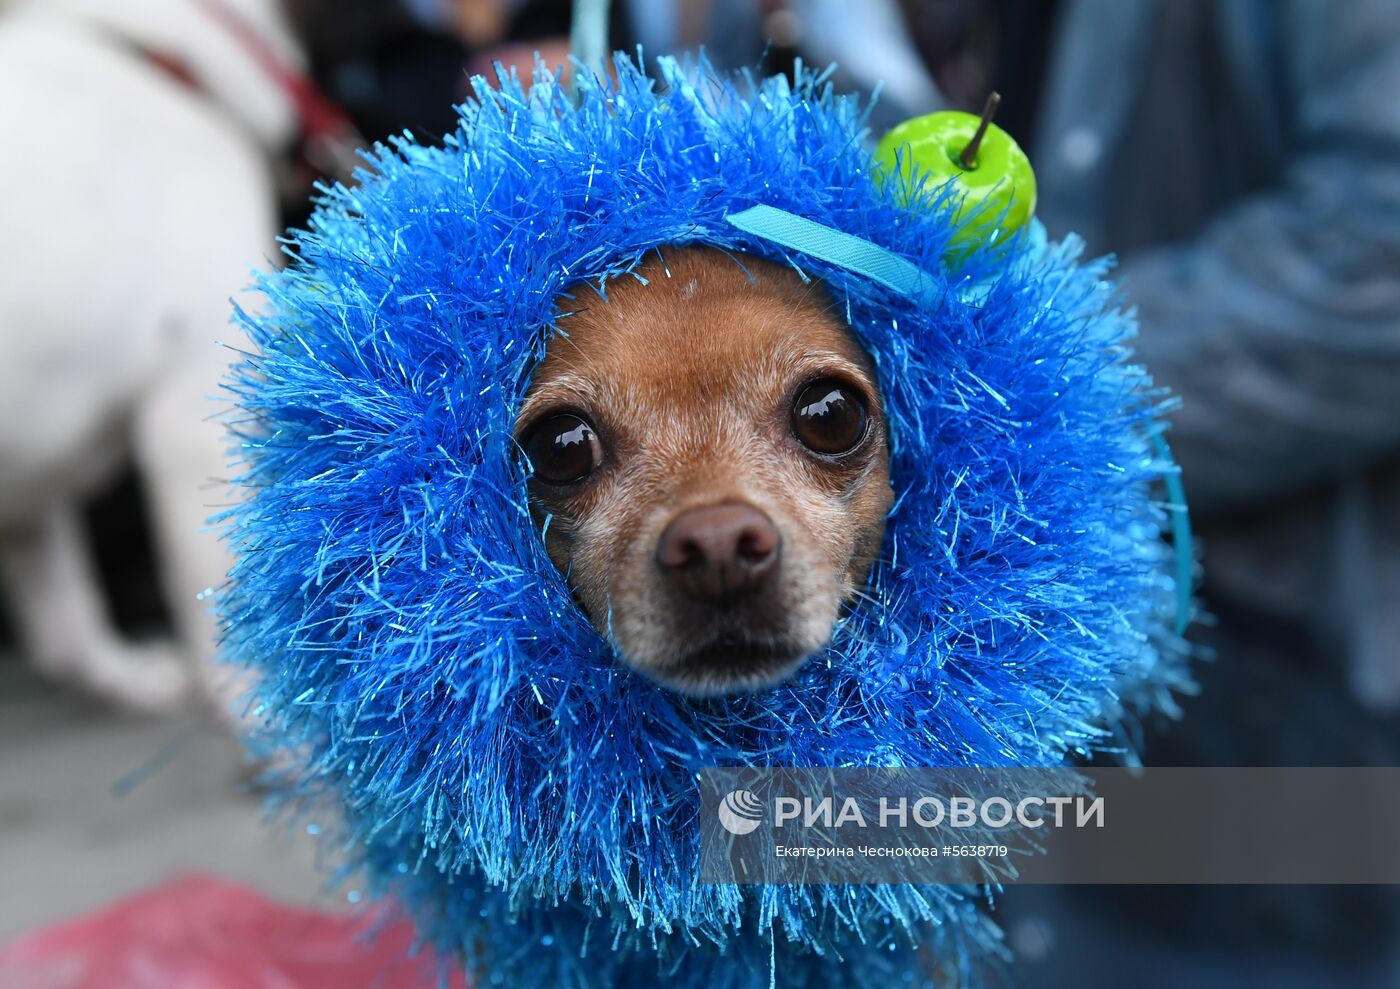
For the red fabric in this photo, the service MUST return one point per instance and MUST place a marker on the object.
(320, 117)
(199, 932)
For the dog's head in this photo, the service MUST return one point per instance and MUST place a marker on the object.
(710, 466)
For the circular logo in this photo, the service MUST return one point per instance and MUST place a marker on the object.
(740, 812)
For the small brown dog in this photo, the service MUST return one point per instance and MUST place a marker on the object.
(710, 453)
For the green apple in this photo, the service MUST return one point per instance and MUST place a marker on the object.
(997, 191)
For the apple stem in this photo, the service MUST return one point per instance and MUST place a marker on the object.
(989, 110)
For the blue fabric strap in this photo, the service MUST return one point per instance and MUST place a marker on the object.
(843, 250)
(1181, 533)
(588, 35)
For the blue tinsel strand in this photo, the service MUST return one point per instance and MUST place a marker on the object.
(530, 801)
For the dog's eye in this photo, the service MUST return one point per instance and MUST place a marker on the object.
(563, 449)
(829, 417)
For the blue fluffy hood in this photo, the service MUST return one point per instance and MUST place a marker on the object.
(520, 791)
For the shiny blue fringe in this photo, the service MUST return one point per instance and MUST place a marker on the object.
(529, 801)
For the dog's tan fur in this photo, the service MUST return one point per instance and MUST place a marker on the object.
(689, 380)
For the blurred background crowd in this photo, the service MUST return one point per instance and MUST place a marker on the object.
(1240, 157)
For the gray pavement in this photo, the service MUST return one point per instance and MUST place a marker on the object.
(70, 844)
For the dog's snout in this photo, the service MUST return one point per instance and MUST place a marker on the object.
(719, 551)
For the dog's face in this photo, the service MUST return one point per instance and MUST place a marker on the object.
(709, 452)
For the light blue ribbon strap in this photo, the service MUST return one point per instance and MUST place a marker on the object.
(1181, 533)
(843, 250)
(588, 35)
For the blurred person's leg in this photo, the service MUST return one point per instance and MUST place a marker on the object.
(1275, 694)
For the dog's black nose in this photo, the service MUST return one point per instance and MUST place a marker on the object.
(720, 551)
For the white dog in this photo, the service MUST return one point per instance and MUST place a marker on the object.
(136, 194)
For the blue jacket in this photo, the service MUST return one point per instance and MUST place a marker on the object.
(1243, 158)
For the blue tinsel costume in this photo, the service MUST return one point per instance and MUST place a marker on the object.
(530, 800)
